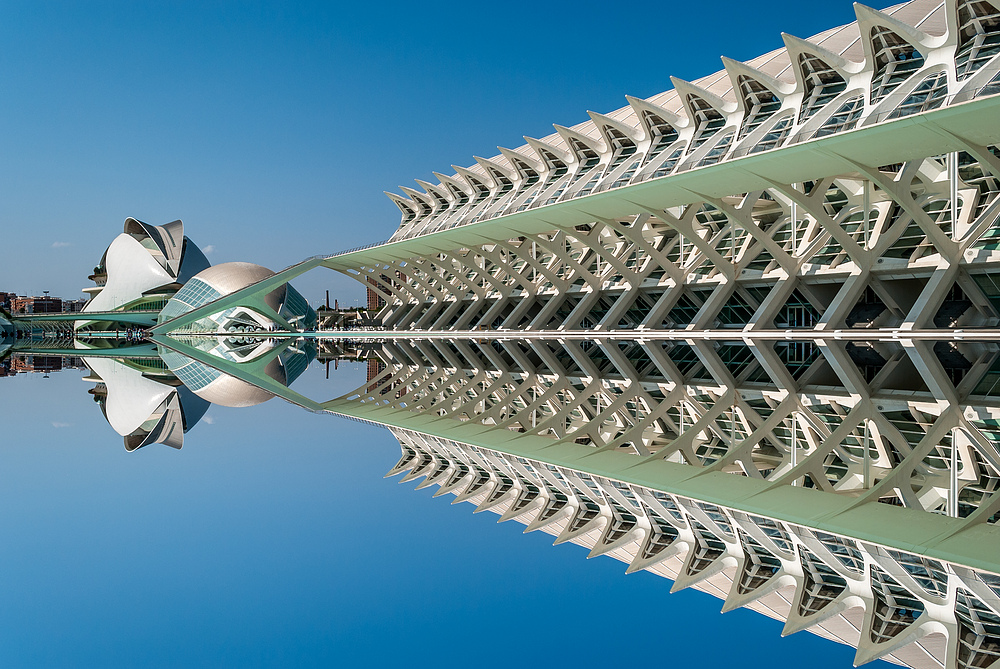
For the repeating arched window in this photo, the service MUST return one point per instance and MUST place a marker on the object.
(528, 187)
(707, 549)
(622, 147)
(504, 184)
(659, 128)
(978, 36)
(589, 186)
(460, 196)
(529, 176)
(557, 502)
(929, 574)
(528, 173)
(775, 137)
(667, 166)
(626, 176)
(482, 191)
(895, 60)
(662, 136)
(551, 159)
(717, 152)
(505, 485)
(482, 478)
(845, 118)
(774, 531)
(929, 94)
(437, 197)
(423, 204)
(408, 213)
(587, 512)
(584, 152)
(822, 84)
(821, 584)
(527, 496)
(585, 167)
(715, 513)
(461, 470)
(760, 104)
(978, 631)
(531, 198)
(896, 608)
(707, 120)
(662, 535)
(622, 522)
(845, 550)
(759, 565)
(992, 88)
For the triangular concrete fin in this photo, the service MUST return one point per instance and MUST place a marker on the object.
(601, 547)
(511, 514)
(638, 564)
(566, 535)
(538, 524)
(686, 580)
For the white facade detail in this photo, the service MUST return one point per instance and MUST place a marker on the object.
(890, 604)
(910, 59)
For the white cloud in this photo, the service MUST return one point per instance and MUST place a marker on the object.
(208, 419)
(60, 245)
(208, 249)
(58, 424)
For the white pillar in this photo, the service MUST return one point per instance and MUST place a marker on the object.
(795, 225)
(867, 208)
(953, 190)
(795, 444)
(953, 479)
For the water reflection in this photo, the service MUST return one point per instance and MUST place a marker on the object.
(686, 459)
(846, 485)
(143, 400)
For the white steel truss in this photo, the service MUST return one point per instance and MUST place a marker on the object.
(911, 59)
(774, 288)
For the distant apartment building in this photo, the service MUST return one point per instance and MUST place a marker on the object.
(36, 305)
(22, 364)
(73, 306)
(14, 303)
(35, 363)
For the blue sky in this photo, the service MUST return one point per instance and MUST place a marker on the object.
(272, 129)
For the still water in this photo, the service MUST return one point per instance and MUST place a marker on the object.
(268, 535)
(271, 538)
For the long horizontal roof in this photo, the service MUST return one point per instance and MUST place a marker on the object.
(928, 16)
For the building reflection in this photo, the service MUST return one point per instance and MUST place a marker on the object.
(845, 485)
(143, 400)
(753, 471)
(683, 459)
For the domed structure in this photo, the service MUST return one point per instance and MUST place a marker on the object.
(231, 276)
(213, 386)
(215, 282)
(253, 316)
(284, 302)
